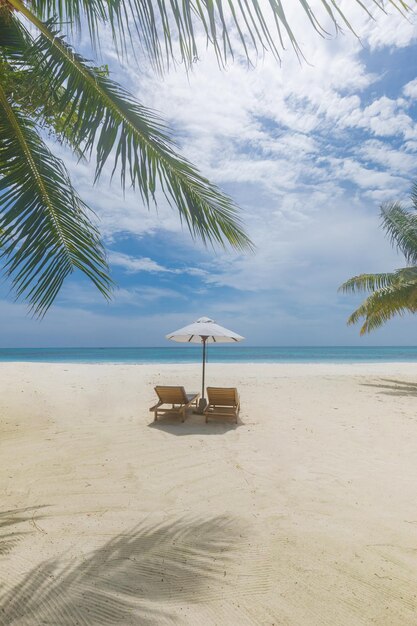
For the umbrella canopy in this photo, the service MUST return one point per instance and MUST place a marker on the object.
(204, 331)
(204, 328)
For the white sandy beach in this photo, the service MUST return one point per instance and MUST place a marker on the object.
(303, 514)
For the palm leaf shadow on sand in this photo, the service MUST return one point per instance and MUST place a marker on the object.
(129, 580)
(9, 535)
(391, 387)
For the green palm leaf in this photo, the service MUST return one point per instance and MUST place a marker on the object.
(30, 89)
(392, 293)
(46, 233)
(105, 117)
(401, 227)
(367, 282)
(383, 305)
(159, 24)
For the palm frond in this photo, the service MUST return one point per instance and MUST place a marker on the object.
(30, 89)
(160, 24)
(368, 282)
(383, 305)
(413, 195)
(45, 231)
(406, 275)
(395, 292)
(14, 37)
(401, 227)
(105, 117)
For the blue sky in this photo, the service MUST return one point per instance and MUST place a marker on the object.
(308, 152)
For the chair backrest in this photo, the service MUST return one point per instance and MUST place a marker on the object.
(223, 396)
(171, 394)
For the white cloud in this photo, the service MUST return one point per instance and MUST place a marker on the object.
(134, 264)
(383, 155)
(391, 30)
(366, 178)
(272, 127)
(144, 264)
(410, 89)
(76, 295)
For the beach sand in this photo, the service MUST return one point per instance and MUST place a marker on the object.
(303, 514)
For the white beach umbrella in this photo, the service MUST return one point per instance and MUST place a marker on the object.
(204, 331)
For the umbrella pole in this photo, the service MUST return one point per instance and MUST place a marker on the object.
(204, 367)
(203, 402)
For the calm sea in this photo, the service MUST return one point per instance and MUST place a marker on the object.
(219, 354)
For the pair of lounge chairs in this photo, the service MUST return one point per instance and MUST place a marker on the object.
(222, 402)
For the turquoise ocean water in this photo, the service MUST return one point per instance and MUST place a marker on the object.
(219, 354)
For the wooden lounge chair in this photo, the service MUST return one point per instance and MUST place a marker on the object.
(177, 398)
(222, 402)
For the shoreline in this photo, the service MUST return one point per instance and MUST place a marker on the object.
(359, 365)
